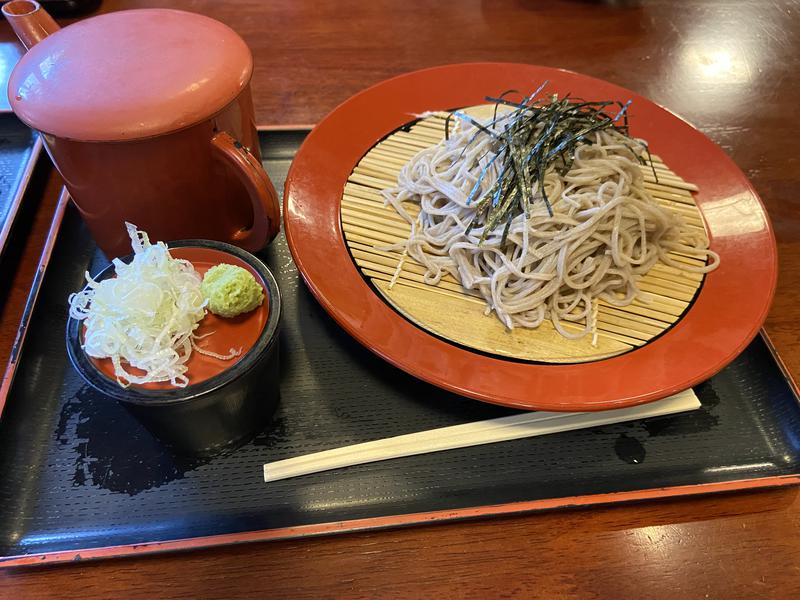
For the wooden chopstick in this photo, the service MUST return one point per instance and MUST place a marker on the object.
(472, 434)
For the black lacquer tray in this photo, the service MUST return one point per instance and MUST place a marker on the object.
(82, 479)
(19, 149)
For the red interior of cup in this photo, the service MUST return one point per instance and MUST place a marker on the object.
(240, 332)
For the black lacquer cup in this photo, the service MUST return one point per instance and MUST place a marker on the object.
(215, 414)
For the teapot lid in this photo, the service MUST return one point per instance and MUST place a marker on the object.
(129, 75)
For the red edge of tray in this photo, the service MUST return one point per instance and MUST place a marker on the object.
(724, 318)
(375, 523)
(16, 200)
(22, 330)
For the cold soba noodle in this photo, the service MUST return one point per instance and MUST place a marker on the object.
(588, 238)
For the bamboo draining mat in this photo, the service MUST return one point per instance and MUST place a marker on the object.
(456, 314)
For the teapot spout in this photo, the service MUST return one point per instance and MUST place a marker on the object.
(29, 21)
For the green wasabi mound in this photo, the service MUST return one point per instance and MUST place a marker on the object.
(231, 290)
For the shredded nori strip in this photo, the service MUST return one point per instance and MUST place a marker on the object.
(526, 154)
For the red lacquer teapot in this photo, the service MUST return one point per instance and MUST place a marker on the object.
(147, 114)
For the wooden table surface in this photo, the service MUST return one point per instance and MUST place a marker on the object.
(731, 68)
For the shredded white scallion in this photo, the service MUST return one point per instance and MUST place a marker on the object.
(145, 316)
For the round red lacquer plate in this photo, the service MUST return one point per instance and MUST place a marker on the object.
(726, 315)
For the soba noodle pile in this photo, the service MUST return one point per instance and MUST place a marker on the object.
(605, 230)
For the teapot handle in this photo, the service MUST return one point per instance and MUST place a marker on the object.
(264, 199)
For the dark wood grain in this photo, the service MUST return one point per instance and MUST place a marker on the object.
(732, 69)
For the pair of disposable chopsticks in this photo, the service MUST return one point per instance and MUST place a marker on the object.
(472, 434)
